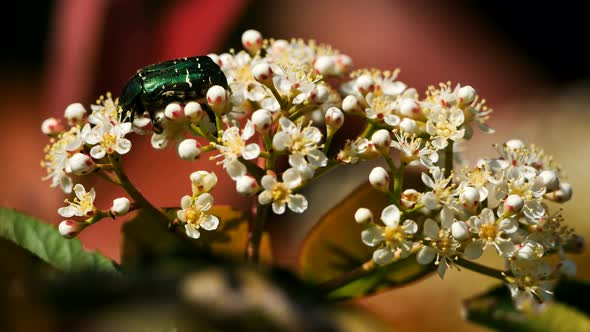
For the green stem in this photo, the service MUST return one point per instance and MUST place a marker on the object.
(218, 124)
(256, 231)
(449, 159)
(327, 143)
(134, 192)
(368, 131)
(348, 277)
(476, 267)
(398, 184)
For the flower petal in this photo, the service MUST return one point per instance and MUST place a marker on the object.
(209, 222)
(431, 229)
(297, 203)
(251, 151)
(372, 236)
(474, 250)
(192, 231)
(383, 256)
(278, 207)
(425, 255)
(390, 216)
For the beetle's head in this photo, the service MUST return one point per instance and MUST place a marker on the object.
(131, 93)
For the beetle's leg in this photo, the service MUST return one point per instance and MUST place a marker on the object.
(210, 114)
(158, 129)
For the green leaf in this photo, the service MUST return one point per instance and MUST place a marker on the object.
(334, 247)
(495, 309)
(146, 238)
(44, 241)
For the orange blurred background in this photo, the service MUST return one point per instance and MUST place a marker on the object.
(530, 68)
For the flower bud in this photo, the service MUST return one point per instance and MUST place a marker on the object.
(188, 149)
(173, 111)
(203, 181)
(334, 119)
(469, 197)
(515, 144)
(409, 126)
(460, 230)
(409, 107)
(547, 179)
(409, 198)
(120, 206)
(466, 95)
(365, 84)
(263, 73)
(252, 40)
(51, 126)
(215, 58)
(363, 216)
(225, 59)
(74, 113)
(512, 205)
(563, 194)
(216, 98)
(319, 94)
(379, 179)
(325, 65)
(70, 228)
(343, 64)
(262, 120)
(351, 105)
(80, 164)
(529, 250)
(193, 111)
(382, 140)
(247, 185)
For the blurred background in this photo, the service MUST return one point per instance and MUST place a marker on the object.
(528, 61)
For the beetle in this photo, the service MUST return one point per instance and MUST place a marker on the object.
(180, 80)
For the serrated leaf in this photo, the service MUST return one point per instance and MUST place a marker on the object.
(44, 241)
(334, 247)
(495, 309)
(146, 238)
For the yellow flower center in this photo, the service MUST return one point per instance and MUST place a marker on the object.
(445, 242)
(108, 142)
(444, 129)
(488, 232)
(192, 215)
(280, 193)
(394, 235)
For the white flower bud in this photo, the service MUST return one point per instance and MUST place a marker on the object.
(343, 64)
(529, 250)
(351, 105)
(512, 205)
(262, 120)
(563, 194)
(203, 181)
(547, 179)
(409, 198)
(120, 206)
(263, 73)
(188, 149)
(70, 228)
(460, 230)
(515, 144)
(363, 216)
(379, 179)
(74, 113)
(409, 125)
(225, 59)
(215, 58)
(334, 118)
(80, 164)
(365, 84)
(247, 185)
(193, 111)
(466, 95)
(382, 140)
(469, 197)
(173, 111)
(319, 94)
(409, 107)
(216, 98)
(51, 126)
(325, 65)
(252, 40)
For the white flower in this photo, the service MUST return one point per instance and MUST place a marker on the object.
(359, 149)
(490, 232)
(280, 193)
(443, 125)
(381, 108)
(193, 214)
(57, 155)
(233, 146)
(441, 187)
(301, 143)
(411, 149)
(530, 284)
(442, 243)
(392, 238)
(380, 83)
(82, 205)
(109, 139)
(295, 81)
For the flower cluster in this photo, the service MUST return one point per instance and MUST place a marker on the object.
(271, 129)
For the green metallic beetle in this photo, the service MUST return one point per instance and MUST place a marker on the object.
(181, 80)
